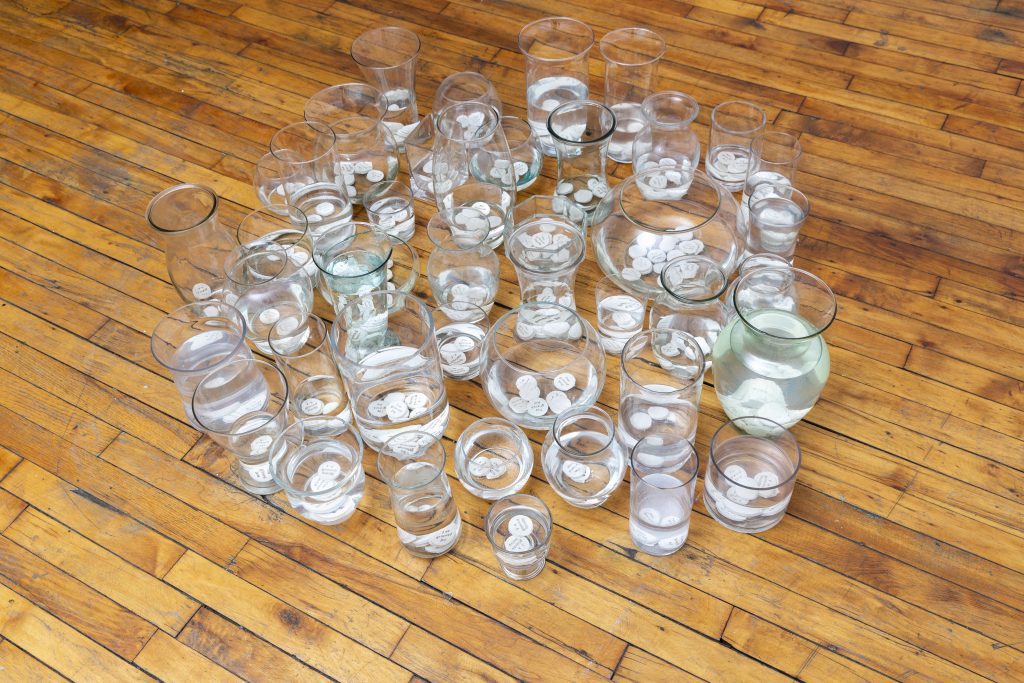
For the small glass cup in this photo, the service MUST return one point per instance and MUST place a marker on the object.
(353, 260)
(631, 58)
(752, 262)
(319, 465)
(519, 529)
(302, 351)
(752, 470)
(527, 155)
(389, 208)
(387, 57)
(460, 328)
(691, 301)
(620, 315)
(734, 124)
(581, 132)
(774, 158)
(666, 140)
(243, 406)
(493, 458)
(660, 380)
(582, 459)
(427, 519)
(283, 227)
(777, 212)
(663, 478)
(268, 183)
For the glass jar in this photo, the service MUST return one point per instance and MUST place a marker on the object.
(461, 267)
(666, 139)
(493, 458)
(771, 361)
(582, 459)
(539, 360)
(355, 258)
(284, 228)
(752, 262)
(690, 301)
(366, 154)
(581, 132)
(185, 216)
(659, 215)
(384, 347)
(470, 144)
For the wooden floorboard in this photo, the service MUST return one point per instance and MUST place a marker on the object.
(128, 551)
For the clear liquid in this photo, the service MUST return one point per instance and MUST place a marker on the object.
(322, 396)
(737, 507)
(324, 205)
(603, 472)
(659, 518)
(196, 356)
(728, 164)
(394, 216)
(475, 284)
(544, 96)
(527, 166)
(457, 363)
(265, 305)
(331, 505)
(352, 273)
(528, 563)
(648, 413)
(487, 479)
(778, 379)
(357, 183)
(753, 181)
(619, 317)
(495, 215)
(500, 384)
(629, 120)
(774, 226)
(582, 191)
(428, 521)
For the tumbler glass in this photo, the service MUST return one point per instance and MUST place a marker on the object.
(546, 252)
(662, 481)
(777, 212)
(412, 465)
(752, 469)
(493, 458)
(384, 346)
(302, 351)
(283, 228)
(243, 406)
(313, 181)
(620, 315)
(195, 339)
(387, 57)
(320, 469)
(267, 286)
(460, 328)
(461, 266)
(555, 50)
(519, 529)
(666, 140)
(734, 124)
(268, 183)
(390, 209)
(752, 262)
(366, 154)
(581, 132)
(185, 216)
(527, 155)
(466, 86)
(353, 260)
(631, 57)
(660, 381)
(774, 158)
(583, 461)
(691, 301)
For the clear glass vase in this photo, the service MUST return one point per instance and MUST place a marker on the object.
(461, 266)
(771, 361)
(691, 301)
(387, 56)
(666, 139)
(581, 132)
(583, 462)
(631, 57)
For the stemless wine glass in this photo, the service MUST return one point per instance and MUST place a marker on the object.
(631, 58)
(460, 328)
(662, 482)
(527, 155)
(546, 253)
(774, 158)
(493, 458)
(582, 459)
(752, 262)
(387, 57)
(519, 529)
(777, 212)
(581, 132)
(734, 124)
(620, 315)
(390, 209)
(666, 140)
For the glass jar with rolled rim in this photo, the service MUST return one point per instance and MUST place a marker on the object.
(749, 263)
(691, 301)
(583, 461)
(656, 216)
(493, 458)
(666, 140)
(470, 144)
(772, 361)
(527, 155)
(284, 228)
(461, 267)
(384, 346)
(539, 360)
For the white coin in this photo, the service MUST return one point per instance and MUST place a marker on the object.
(637, 250)
(642, 265)
(530, 392)
(330, 407)
(672, 543)
(658, 413)
(362, 167)
(375, 176)
(521, 168)
(564, 188)
(666, 162)
(526, 381)
(640, 421)
(641, 536)
(478, 466)
(651, 516)
(378, 409)
(558, 401)
(416, 399)
(464, 343)
(541, 240)
(583, 196)
(397, 412)
(735, 473)
(630, 274)
(260, 445)
(270, 316)
(496, 468)
(456, 369)
(456, 357)
(565, 381)
(670, 350)
(394, 397)
(518, 404)
(576, 471)
(318, 483)
(764, 480)
(691, 247)
(351, 190)
(518, 544)
(537, 407)
(520, 525)
(623, 319)
(482, 207)
(674, 177)
(658, 182)
(656, 255)
(329, 468)
(740, 495)
(201, 291)
(312, 406)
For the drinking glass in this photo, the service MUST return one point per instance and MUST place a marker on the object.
(195, 339)
(519, 529)
(555, 50)
(383, 344)
(195, 245)
(366, 154)
(660, 381)
(774, 158)
(460, 328)
(390, 209)
(267, 286)
(466, 86)
(353, 260)
(461, 267)
(546, 247)
(493, 458)
(751, 473)
(387, 57)
(581, 132)
(303, 353)
(752, 262)
(777, 212)
(412, 466)
(527, 155)
(620, 315)
(243, 406)
(666, 139)
(583, 461)
(662, 481)
(631, 57)
(344, 101)
(283, 228)
(313, 181)
(320, 469)
(267, 181)
(734, 124)
(690, 301)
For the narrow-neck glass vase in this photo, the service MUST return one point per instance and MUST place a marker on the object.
(666, 140)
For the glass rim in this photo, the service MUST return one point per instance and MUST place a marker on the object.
(634, 30)
(712, 294)
(309, 319)
(163, 194)
(382, 186)
(780, 138)
(446, 216)
(814, 281)
(258, 362)
(233, 263)
(575, 411)
(320, 128)
(561, 267)
(395, 294)
(553, 20)
(634, 181)
(788, 435)
(291, 212)
(739, 131)
(804, 204)
(492, 123)
(276, 462)
(466, 305)
(372, 230)
(698, 362)
(654, 98)
(440, 470)
(633, 464)
(229, 310)
(368, 90)
(535, 304)
(519, 500)
(360, 59)
(592, 104)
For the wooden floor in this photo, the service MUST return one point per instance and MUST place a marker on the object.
(128, 551)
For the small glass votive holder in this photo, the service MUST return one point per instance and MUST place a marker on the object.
(663, 479)
(581, 132)
(777, 212)
(620, 315)
(269, 184)
(284, 228)
(751, 472)
(519, 529)
(352, 263)
(493, 458)
(302, 351)
(734, 124)
(582, 459)
(390, 209)
(427, 519)
(527, 155)
(460, 328)
(319, 466)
